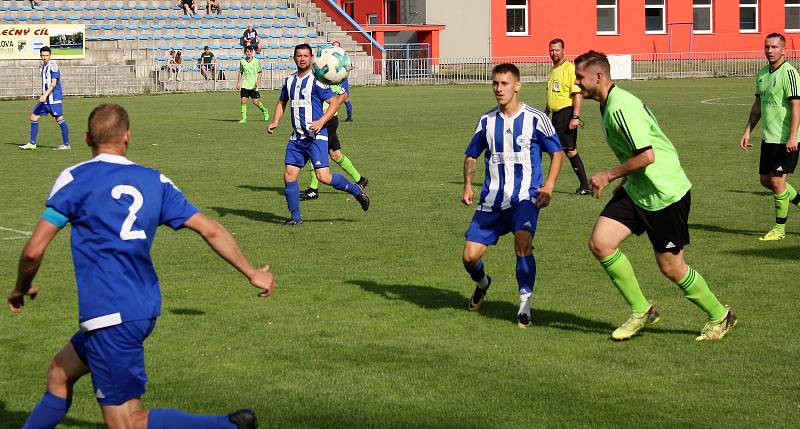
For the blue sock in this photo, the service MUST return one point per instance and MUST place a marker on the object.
(64, 131)
(169, 418)
(339, 182)
(48, 412)
(34, 131)
(476, 271)
(349, 106)
(526, 273)
(292, 192)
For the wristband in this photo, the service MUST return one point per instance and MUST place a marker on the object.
(576, 116)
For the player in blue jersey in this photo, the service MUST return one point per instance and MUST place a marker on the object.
(50, 102)
(114, 207)
(309, 140)
(512, 137)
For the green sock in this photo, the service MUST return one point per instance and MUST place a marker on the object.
(261, 107)
(348, 166)
(244, 111)
(794, 198)
(620, 270)
(314, 184)
(781, 208)
(696, 289)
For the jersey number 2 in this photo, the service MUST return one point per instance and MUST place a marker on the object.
(126, 233)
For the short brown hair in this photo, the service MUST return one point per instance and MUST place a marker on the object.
(557, 41)
(594, 58)
(107, 124)
(776, 36)
(506, 68)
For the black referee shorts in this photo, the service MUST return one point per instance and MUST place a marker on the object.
(667, 229)
(775, 159)
(568, 137)
(249, 93)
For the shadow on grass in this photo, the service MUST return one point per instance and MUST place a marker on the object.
(223, 120)
(268, 217)
(785, 253)
(274, 189)
(741, 191)
(723, 230)
(434, 299)
(15, 419)
(187, 312)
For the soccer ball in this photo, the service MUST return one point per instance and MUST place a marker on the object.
(331, 64)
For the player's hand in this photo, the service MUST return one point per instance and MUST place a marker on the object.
(42, 98)
(598, 182)
(744, 142)
(264, 280)
(271, 127)
(574, 123)
(545, 194)
(466, 197)
(791, 145)
(316, 125)
(16, 299)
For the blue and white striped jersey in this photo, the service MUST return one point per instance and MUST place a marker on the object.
(513, 151)
(49, 72)
(306, 95)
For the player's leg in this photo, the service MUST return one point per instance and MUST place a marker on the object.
(243, 95)
(580, 171)
(291, 189)
(569, 143)
(62, 124)
(484, 230)
(38, 110)
(335, 152)
(65, 369)
(319, 158)
(524, 219)
(349, 107)
(257, 102)
(775, 164)
(776, 183)
(616, 223)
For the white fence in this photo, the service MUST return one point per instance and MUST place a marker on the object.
(153, 78)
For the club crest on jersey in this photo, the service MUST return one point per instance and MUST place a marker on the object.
(524, 141)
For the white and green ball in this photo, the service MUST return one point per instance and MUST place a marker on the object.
(331, 64)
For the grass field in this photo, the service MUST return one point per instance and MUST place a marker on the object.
(369, 327)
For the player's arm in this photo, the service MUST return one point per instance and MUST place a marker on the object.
(225, 245)
(258, 77)
(755, 116)
(546, 191)
(791, 143)
(50, 89)
(639, 160)
(29, 262)
(239, 78)
(276, 116)
(333, 105)
(577, 102)
(469, 174)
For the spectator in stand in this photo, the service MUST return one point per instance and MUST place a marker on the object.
(189, 7)
(35, 3)
(213, 6)
(208, 63)
(250, 38)
(178, 65)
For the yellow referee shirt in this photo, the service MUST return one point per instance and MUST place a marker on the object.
(560, 86)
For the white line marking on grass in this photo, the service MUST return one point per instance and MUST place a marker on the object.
(715, 101)
(12, 238)
(25, 233)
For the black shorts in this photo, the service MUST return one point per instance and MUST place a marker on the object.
(568, 137)
(775, 159)
(249, 93)
(187, 2)
(668, 228)
(333, 138)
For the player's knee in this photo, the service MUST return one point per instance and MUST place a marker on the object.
(34, 118)
(598, 249)
(470, 258)
(60, 118)
(323, 176)
(56, 375)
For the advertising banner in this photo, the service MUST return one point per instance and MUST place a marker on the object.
(22, 42)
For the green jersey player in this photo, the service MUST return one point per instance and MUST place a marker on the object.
(653, 197)
(778, 103)
(247, 83)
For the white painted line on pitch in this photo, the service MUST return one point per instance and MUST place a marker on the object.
(12, 238)
(25, 233)
(713, 101)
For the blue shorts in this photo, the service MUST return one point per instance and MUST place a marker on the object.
(115, 357)
(298, 152)
(487, 227)
(42, 109)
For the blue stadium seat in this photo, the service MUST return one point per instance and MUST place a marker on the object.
(277, 24)
(196, 56)
(229, 27)
(156, 27)
(139, 7)
(301, 25)
(130, 37)
(234, 7)
(99, 17)
(22, 18)
(289, 25)
(194, 26)
(223, 57)
(162, 58)
(213, 45)
(63, 8)
(131, 27)
(119, 27)
(144, 27)
(148, 17)
(50, 7)
(287, 35)
(274, 45)
(94, 27)
(286, 45)
(99, 7)
(259, 7)
(77, 8)
(281, 67)
(164, 7)
(191, 36)
(283, 7)
(73, 18)
(300, 36)
(152, 7)
(89, 7)
(187, 47)
(280, 16)
(25, 8)
(180, 26)
(291, 16)
(61, 18)
(86, 17)
(135, 17)
(179, 37)
(271, 7)
(107, 27)
(161, 18)
(127, 7)
(169, 26)
(47, 18)
(272, 55)
(115, 7)
(205, 26)
(267, 66)
(175, 46)
(111, 17)
(284, 56)
(123, 17)
(242, 26)
(164, 48)
(312, 35)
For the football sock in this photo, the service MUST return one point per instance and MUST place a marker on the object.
(526, 274)
(696, 289)
(34, 131)
(577, 166)
(170, 418)
(620, 270)
(781, 208)
(524, 303)
(348, 167)
(794, 197)
(292, 192)
(314, 184)
(49, 412)
(244, 111)
(339, 182)
(64, 131)
(349, 106)
(261, 107)
(477, 274)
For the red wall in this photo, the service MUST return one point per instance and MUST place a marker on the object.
(369, 7)
(579, 31)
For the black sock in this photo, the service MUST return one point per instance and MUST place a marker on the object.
(577, 167)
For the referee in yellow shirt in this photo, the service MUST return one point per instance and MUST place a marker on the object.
(564, 102)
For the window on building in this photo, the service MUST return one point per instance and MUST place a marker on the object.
(516, 17)
(703, 16)
(748, 16)
(349, 7)
(654, 16)
(792, 15)
(391, 11)
(606, 16)
(372, 19)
